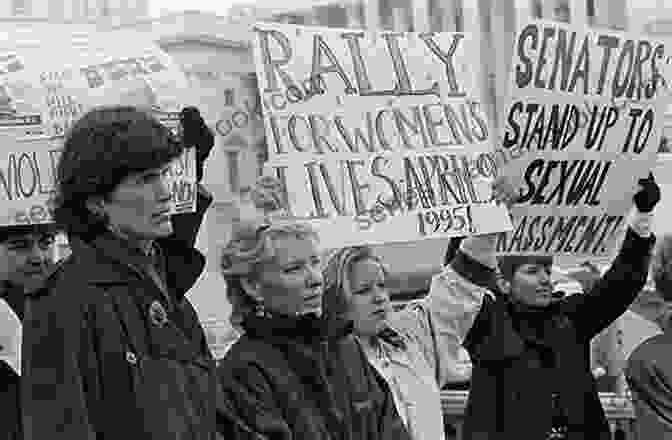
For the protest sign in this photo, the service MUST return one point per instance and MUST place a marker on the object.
(51, 81)
(377, 137)
(582, 124)
(182, 177)
(19, 115)
(68, 73)
(27, 176)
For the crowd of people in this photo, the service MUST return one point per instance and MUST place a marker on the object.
(113, 349)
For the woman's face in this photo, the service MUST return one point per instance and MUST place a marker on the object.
(531, 285)
(291, 283)
(140, 205)
(369, 302)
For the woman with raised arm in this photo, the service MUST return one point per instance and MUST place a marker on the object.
(531, 377)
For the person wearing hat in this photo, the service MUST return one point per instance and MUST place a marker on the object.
(531, 376)
(25, 263)
(112, 346)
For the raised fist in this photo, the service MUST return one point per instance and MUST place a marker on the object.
(195, 133)
(648, 195)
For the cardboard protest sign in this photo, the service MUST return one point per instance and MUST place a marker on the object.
(27, 179)
(68, 73)
(582, 124)
(52, 82)
(10, 337)
(19, 115)
(378, 137)
(182, 178)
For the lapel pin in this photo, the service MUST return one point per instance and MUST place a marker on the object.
(157, 314)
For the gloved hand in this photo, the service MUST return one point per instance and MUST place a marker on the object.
(195, 133)
(648, 195)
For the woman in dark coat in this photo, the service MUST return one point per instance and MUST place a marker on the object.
(293, 375)
(112, 347)
(531, 375)
(10, 419)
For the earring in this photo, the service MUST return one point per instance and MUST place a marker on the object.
(259, 309)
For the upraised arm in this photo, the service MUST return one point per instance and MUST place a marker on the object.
(615, 291)
(195, 134)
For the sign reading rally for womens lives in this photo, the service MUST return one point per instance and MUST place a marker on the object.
(48, 81)
(581, 126)
(377, 137)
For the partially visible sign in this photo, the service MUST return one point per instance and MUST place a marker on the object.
(10, 336)
(48, 84)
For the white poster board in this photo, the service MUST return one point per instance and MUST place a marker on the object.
(49, 81)
(582, 124)
(379, 137)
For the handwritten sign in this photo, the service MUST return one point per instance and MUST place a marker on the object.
(19, 115)
(582, 124)
(10, 337)
(27, 176)
(378, 137)
(45, 86)
(182, 178)
(67, 73)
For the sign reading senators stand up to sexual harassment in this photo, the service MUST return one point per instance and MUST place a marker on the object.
(378, 137)
(581, 126)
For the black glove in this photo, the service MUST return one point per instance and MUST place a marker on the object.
(195, 133)
(649, 194)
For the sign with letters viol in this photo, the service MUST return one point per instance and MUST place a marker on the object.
(581, 126)
(378, 137)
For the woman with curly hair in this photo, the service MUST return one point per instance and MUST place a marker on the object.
(293, 374)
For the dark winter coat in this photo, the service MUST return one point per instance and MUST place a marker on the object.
(111, 352)
(300, 379)
(521, 357)
(10, 419)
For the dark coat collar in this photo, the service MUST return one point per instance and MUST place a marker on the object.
(109, 260)
(308, 328)
(509, 327)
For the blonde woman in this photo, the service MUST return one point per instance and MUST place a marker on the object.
(414, 349)
(292, 374)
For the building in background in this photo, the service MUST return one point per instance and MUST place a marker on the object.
(495, 19)
(74, 10)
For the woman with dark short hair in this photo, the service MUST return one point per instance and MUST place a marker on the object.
(112, 347)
